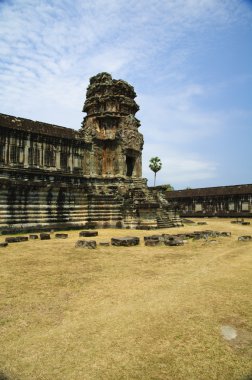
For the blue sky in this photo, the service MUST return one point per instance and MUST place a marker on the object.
(190, 62)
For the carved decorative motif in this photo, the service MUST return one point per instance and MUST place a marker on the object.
(132, 139)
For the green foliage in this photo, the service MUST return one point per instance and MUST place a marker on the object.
(155, 165)
(169, 187)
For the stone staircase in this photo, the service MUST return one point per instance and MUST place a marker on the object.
(167, 217)
(105, 209)
(164, 221)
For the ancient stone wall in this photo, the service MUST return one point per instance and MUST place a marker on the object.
(222, 201)
(58, 177)
(26, 144)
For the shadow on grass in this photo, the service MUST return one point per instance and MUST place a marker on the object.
(3, 376)
(248, 377)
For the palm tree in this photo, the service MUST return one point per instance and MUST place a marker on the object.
(155, 165)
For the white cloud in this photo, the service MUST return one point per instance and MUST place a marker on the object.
(50, 48)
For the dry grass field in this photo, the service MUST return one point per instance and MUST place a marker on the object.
(127, 313)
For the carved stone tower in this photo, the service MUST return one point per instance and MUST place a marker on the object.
(110, 129)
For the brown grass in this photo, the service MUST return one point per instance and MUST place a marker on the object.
(127, 313)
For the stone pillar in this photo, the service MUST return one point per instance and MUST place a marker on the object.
(70, 159)
(57, 161)
(26, 152)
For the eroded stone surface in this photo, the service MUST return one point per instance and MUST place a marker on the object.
(44, 236)
(245, 238)
(88, 233)
(174, 242)
(151, 243)
(125, 241)
(16, 239)
(154, 237)
(90, 244)
(4, 244)
(61, 236)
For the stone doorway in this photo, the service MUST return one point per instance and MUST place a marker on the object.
(130, 163)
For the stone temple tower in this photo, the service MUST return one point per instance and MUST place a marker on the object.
(110, 129)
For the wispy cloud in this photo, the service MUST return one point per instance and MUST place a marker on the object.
(50, 48)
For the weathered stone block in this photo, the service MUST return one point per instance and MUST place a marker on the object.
(245, 238)
(245, 223)
(198, 236)
(201, 223)
(16, 239)
(33, 237)
(152, 243)
(125, 241)
(154, 237)
(225, 234)
(45, 236)
(90, 244)
(4, 244)
(61, 236)
(88, 233)
(174, 242)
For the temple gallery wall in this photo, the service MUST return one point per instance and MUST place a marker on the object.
(54, 176)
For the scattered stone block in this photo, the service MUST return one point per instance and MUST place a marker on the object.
(225, 234)
(245, 223)
(88, 233)
(33, 237)
(151, 243)
(183, 236)
(154, 237)
(4, 244)
(16, 239)
(125, 241)
(166, 236)
(44, 236)
(90, 244)
(104, 244)
(61, 236)
(197, 236)
(245, 238)
(201, 223)
(174, 242)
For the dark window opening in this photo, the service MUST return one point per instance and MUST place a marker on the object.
(34, 156)
(50, 157)
(130, 162)
(14, 154)
(63, 160)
